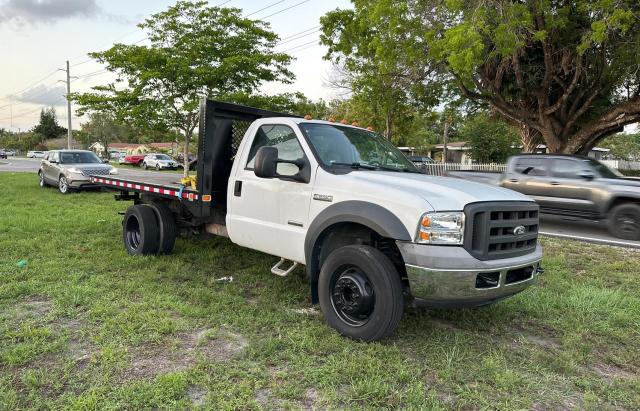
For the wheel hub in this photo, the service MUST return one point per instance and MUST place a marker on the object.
(352, 296)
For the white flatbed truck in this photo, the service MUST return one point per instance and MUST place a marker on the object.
(373, 232)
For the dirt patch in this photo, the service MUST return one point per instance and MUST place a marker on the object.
(311, 312)
(263, 397)
(549, 343)
(32, 307)
(197, 395)
(610, 372)
(184, 351)
(446, 325)
(310, 399)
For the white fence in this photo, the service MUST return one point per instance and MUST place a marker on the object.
(622, 164)
(439, 169)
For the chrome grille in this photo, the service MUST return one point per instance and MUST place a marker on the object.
(95, 172)
(501, 229)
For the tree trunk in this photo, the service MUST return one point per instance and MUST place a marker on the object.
(530, 139)
(445, 140)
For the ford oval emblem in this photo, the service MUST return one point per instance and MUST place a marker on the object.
(519, 230)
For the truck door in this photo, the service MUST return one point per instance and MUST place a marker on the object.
(271, 215)
(50, 167)
(568, 190)
(530, 176)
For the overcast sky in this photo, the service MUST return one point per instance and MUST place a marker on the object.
(39, 35)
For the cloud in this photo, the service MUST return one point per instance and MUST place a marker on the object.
(38, 11)
(43, 95)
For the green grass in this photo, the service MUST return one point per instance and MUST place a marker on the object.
(84, 326)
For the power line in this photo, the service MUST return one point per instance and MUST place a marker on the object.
(32, 84)
(300, 45)
(285, 9)
(265, 8)
(297, 38)
(305, 48)
(300, 32)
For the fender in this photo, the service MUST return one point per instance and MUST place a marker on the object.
(370, 215)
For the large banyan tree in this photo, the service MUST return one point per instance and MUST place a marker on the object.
(567, 73)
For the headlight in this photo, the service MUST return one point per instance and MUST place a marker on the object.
(441, 228)
(74, 170)
(113, 170)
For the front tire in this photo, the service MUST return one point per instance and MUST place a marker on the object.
(140, 232)
(625, 221)
(63, 185)
(144, 166)
(42, 183)
(157, 167)
(360, 293)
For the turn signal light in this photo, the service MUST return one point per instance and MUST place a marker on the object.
(424, 236)
(426, 222)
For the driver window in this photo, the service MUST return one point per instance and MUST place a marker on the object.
(285, 140)
(565, 168)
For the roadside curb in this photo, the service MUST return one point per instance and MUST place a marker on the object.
(602, 241)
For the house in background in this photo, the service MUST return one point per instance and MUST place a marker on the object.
(457, 152)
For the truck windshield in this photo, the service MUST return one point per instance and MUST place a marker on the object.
(339, 146)
(78, 157)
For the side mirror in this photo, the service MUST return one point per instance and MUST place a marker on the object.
(266, 162)
(587, 175)
(266, 166)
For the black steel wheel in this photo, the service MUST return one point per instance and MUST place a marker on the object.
(140, 233)
(360, 293)
(625, 221)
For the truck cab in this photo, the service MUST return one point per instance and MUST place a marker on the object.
(373, 232)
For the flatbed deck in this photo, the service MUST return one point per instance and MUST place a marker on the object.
(167, 185)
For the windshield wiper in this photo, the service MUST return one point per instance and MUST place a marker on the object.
(397, 169)
(355, 165)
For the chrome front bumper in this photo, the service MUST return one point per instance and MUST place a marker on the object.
(451, 277)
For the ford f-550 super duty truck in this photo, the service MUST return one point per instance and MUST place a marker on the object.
(372, 231)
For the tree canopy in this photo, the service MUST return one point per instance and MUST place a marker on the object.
(196, 51)
(48, 126)
(490, 140)
(567, 73)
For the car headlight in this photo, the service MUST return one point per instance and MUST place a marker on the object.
(74, 170)
(441, 228)
(113, 170)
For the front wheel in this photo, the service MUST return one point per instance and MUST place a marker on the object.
(144, 166)
(63, 185)
(41, 179)
(360, 293)
(625, 221)
(157, 167)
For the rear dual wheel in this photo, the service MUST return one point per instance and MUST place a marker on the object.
(149, 229)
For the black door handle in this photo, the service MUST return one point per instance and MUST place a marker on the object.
(237, 188)
(513, 180)
(555, 183)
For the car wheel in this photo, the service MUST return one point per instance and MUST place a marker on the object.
(144, 165)
(625, 221)
(360, 293)
(168, 230)
(140, 232)
(157, 167)
(63, 185)
(41, 178)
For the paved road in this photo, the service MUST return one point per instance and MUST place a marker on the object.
(594, 232)
(21, 164)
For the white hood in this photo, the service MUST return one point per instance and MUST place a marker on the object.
(442, 193)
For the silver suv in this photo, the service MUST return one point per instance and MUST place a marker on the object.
(71, 169)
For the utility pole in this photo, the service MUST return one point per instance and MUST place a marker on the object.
(445, 140)
(69, 131)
